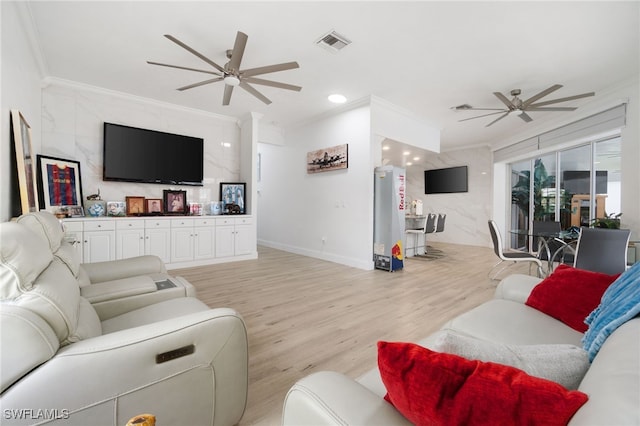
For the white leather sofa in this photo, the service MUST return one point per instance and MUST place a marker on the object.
(612, 382)
(138, 348)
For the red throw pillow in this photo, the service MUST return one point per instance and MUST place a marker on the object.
(569, 295)
(432, 388)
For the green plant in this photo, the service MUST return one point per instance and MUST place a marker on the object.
(611, 221)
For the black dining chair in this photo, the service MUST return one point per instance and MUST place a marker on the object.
(602, 250)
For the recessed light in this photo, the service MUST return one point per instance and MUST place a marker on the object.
(416, 158)
(386, 148)
(406, 153)
(409, 163)
(337, 98)
(225, 144)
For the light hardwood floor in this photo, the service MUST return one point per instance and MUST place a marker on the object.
(305, 315)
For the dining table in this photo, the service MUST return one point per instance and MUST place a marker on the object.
(565, 239)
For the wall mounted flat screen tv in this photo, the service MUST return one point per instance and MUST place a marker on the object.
(149, 156)
(446, 181)
(578, 182)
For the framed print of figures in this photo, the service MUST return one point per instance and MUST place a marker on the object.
(324, 160)
(24, 163)
(154, 205)
(175, 202)
(60, 183)
(232, 197)
(135, 206)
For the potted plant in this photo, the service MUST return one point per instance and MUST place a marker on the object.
(611, 221)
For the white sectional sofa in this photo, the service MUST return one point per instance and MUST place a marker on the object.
(612, 381)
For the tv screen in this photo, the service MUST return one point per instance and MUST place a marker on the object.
(445, 181)
(140, 155)
(577, 181)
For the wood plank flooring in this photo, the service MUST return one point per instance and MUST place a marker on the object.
(305, 315)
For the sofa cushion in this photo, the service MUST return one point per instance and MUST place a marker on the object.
(46, 225)
(570, 294)
(434, 388)
(560, 363)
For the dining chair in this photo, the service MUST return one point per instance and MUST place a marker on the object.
(514, 256)
(602, 250)
(428, 226)
(431, 252)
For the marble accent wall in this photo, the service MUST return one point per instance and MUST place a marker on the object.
(72, 128)
(467, 213)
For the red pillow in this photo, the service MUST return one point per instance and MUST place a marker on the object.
(569, 295)
(432, 388)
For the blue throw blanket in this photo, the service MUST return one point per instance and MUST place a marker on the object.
(619, 304)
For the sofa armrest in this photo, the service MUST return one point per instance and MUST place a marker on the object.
(123, 268)
(330, 398)
(117, 289)
(118, 375)
(516, 287)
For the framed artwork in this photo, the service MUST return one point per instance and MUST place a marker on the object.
(324, 160)
(175, 202)
(76, 211)
(232, 195)
(24, 163)
(116, 208)
(153, 205)
(59, 182)
(135, 206)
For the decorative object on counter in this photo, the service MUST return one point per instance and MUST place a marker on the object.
(232, 193)
(175, 202)
(59, 182)
(154, 206)
(142, 420)
(116, 208)
(24, 171)
(216, 207)
(195, 209)
(62, 212)
(611, 221)
(94, 205)
(135, 205)
(324, 160)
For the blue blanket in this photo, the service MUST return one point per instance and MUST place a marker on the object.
(619, 304)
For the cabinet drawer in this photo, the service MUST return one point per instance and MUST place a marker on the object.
(181, 223)
(204, 221)
(157, 223)
(244, 221)
(130, 224)
(72, 226)
(99, 225)
(225, 221)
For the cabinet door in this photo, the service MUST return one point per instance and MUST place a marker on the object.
(157, 242)
(203, 242)
(129, 243)
(99, 246)
(181, 244)
(225, 240)
(75, 239)
(245, 240)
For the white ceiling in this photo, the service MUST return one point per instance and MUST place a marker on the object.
(422, 56)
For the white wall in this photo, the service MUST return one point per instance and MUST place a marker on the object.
(21, 76)
(72, 128)
(298, 210)
(468, 212)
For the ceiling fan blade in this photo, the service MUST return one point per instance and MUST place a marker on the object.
(272, 83)
(195, 52)
(525, 117)
(238, 51)
(481, 109)
(541, 95)
(533, 108)
(254, 92)
(483, 115)
(228, 90)
(202, 83)
(504, 100)
(568, 98)
(498, 119)
(182, 68)
(269, 68)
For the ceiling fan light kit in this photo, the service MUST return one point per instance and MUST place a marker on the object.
(517, 106)
(231, 74)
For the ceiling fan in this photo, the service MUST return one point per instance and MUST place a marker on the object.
(520, 107)
(231, 74)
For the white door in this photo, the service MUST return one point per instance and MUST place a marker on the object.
(99, 246)
(225, 237)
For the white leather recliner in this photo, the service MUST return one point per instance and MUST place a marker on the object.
(62, 362)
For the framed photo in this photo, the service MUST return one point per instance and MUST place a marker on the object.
(76, 211)
(116, 208)
(24, 164)
(153, 205)
(175, 202)
(135, 206)
(327, 159)
(232, 197)
(59, 182)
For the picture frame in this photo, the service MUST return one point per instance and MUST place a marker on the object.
(328, 159)
(175, 202)
(60, 182)
(24, 165)
(76, 211)
(232, 196)
(135, 205)
(116, 208)
(153, 206)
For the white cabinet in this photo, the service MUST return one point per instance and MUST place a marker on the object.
(129, 238)
(73, 234)
(192, 239)
(235, 236)
(157, 238)
(99, 241)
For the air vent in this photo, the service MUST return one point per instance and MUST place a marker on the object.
(333, 41)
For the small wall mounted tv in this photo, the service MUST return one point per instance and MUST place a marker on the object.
(149, 156)
(446, 181)
(578, 182)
